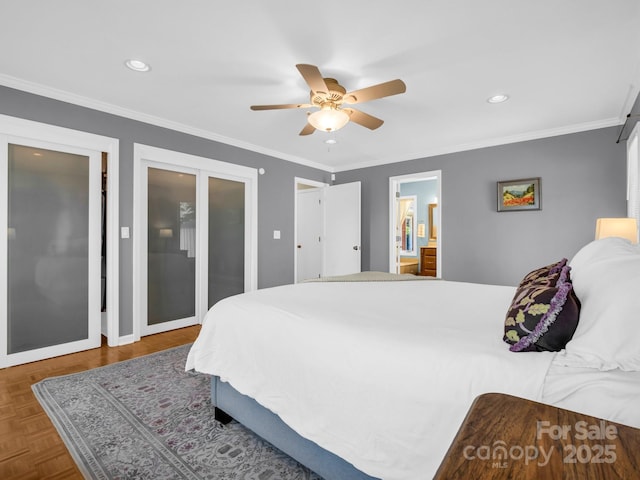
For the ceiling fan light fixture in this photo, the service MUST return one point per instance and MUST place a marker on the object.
(327, 94)
(328, 119)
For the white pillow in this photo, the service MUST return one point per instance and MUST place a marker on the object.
(606, 280)
(609, 247)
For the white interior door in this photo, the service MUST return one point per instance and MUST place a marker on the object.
(309, 234)
(50, 253)
(341, 241)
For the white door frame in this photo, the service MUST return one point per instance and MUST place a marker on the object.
(394, 186)
(68, 138)
(143, 154)
(633, 174)
(296, 182)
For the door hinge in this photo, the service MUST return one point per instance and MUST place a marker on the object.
(319, 239)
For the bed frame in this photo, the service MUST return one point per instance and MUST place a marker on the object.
(229, 403)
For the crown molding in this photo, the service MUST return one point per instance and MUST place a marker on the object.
(68, 97)
(56, 94)
(493, 142)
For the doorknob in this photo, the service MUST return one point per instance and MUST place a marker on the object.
(299, 246)
(356, 247)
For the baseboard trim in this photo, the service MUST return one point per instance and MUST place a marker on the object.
(125, 340)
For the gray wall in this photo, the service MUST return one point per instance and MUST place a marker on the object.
(275, 205)
(583, 178)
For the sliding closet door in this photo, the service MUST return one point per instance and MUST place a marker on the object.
(178, 213)
(198, 240)
(52, 249)
(171, 248)
(226, 242)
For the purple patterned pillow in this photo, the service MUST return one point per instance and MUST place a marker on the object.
(547, 275)
(542, 317)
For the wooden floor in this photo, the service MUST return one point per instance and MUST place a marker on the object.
(30, 447)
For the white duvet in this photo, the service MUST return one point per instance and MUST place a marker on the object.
(380, 373)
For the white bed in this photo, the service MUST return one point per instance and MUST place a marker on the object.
(382, 373)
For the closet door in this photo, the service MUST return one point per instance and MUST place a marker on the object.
(170, 248)
(198, 236)
(50, 293)
(226, 242)
(196, 229)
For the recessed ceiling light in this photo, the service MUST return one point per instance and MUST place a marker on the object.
(137, 65)
(330, 141)
(498, 98)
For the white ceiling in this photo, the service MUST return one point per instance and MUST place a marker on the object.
(568, 65)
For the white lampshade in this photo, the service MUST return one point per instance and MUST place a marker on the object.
(328, 119)
(617, 227)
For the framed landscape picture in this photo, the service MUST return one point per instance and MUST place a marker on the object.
(523, 194)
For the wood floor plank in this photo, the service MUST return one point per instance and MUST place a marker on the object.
(30, 447)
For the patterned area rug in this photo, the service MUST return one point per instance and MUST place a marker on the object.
(147, 418)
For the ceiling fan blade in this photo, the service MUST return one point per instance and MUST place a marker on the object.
(313, 77)
(307, 130)
(363, 119)
(385, 89)
(278, 107)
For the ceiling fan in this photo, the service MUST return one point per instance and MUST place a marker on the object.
(330, 97)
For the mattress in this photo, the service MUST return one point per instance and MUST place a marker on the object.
(612, 395)
(379, 373)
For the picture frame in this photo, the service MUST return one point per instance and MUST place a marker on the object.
(520, 194)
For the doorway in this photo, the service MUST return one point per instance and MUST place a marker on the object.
(327, 229)
(415, 216)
